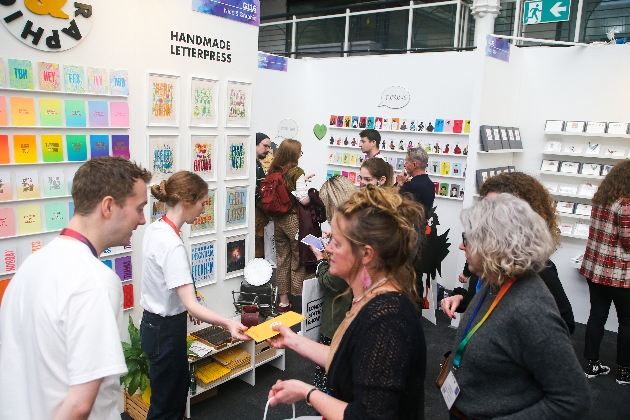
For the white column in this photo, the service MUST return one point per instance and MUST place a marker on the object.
(485, 12)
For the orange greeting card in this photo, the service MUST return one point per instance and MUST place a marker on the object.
(3, 111)
(22, 111)
(264, 331)
(25, 148)
(4, 149)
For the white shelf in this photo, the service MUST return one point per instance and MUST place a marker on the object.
(559, 194)
(446, 176)
(573, 216)
(398, 131)
(449, 198)
(52, 127)
(398, 151)
(499, 151)
(570, 235)
(62, 93)
(582, 155)
(345, 166)
(571, 175)
(80, 162)
(35, 199)
(565, 133)
(30, 234)
(278, 354)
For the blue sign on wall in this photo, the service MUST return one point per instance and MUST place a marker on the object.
(238, 10)
(272, 62)
(497, 48)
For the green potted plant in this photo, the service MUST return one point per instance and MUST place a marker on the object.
(137, 361)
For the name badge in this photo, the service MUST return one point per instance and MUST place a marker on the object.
(450, 390)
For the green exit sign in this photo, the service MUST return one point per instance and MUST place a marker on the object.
(546, 11)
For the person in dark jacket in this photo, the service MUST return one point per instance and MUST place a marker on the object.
(263, 145)
(536, 195)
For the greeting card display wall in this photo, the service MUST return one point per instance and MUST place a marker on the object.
(54, 117)
(576, 156)
(445, 141)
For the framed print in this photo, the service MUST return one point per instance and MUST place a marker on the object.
(157, 209)
(554, 125)
(204, 99)
(205, 223)
(202, 263)
(566, 228)
(163, 103)
(550, 165)
(617, 128)
(591, 169)
(575, 126)
(565, 207)
(237, 157)
(236, 207)
(203, 151)
(606, 169)
(588, 189)
(583, 209)
(235, 255)
(570, 167)
(162, 157)
(598, 127)
(239, 104)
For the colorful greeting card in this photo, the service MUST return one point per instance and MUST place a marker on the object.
(235, 254)
(120, 145)
(119, 82)
(8, 258)
(76, 148)
(29, 219)
(119, 112)
(52, 147)
(239, 103)
(75, 113)
(22, 111)
(98, 82)
(202, 262)
(99, 145)
(54, 183)
(123, 268)
(56, 216)
(29, 247)
(163, 99)
(157, 209)
(235, 207)
(162, 157)
(237, 157)
(205, 222)
(20, 74)
(49, 76)
(3, 111)
(7, 222)
(50, 113)
(25, 148)
(4, 149)
(6, 193)
(74, 79)
(3, 74)
(70, 210)
(98, 114)
(203, 160)
(127, 296)
(27, 184)
(108, 263)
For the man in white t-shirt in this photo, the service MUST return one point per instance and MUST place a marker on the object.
(61, 317)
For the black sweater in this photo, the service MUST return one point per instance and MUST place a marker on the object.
(380, 365)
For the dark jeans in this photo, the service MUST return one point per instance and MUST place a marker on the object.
(163, 339)
(601, 298)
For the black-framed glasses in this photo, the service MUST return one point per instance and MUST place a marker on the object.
(464, 240)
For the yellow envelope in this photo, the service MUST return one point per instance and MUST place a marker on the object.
(263, 331)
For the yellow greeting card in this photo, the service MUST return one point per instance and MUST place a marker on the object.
(22, 111)
(211, 372)
(29, 219)
(263, 331)
(25, 148)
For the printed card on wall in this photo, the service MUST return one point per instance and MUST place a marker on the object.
(163, 100)
(203, 156)
(8, 257)
(20, 74)
(4, 149)
(235, 256)
(52, 147)
(7, 222)
(119, 82)
(74, 79)
(119, 112)
(4, 118)
(163, 157)
(70, 210)
(56, 216)
(29, 219)
(27, 184)
(76, 147)
(29, 247)
(99, 145)
(127, 296)
(22, 111)
(157, 209)
(235, 207)
(50, 113)
(3, 74)
(123, 268)
(98, 114)
(98, 82)
(76, 116)
(120, 145)
(53, 182)
(6, 192)
(205, 222)
(236, 165)
(24, 148)
(238, 104)
(202, 263)
(49, 76)
(204, 102)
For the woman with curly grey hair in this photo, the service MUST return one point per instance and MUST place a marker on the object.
(512, 344)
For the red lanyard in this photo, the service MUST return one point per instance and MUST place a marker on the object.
(171, 224)
(76, 235)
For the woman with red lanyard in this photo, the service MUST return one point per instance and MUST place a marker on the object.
(168, 293)
(513, 357)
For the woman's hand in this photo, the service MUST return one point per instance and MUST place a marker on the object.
(288, 392)
(309, 177)
(450, 304)
(284, 340)
(318, 254)
(236, 330)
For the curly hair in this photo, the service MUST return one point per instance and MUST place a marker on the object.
(286, 157)
(335, 192)
(510, 238)
(390, 224)
(527, 188)
(616, 185)
(378, 168)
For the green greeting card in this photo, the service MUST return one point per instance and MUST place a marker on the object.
(50, 114)
(56, 216)
(21, 74)
(52, 148)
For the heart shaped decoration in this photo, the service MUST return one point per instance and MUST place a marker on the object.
(320, 131)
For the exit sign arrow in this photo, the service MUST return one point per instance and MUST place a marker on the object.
(546, 11)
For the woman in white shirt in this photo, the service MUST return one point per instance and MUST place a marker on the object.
(168, 293)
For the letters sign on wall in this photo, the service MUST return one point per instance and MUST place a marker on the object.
(48, 25)
(395, 97)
